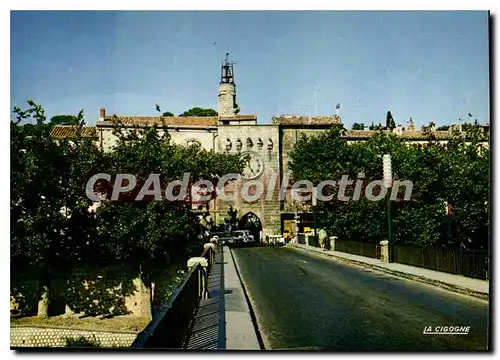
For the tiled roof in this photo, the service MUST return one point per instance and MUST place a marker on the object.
(305, 120)
(359, 133)
(417, 134)
(240, 117)
(68, 131)
(165, 120)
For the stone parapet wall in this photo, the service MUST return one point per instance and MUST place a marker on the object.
(21, 336)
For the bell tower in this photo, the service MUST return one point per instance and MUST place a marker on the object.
(227, 90)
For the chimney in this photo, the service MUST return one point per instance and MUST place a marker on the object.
(102, 114)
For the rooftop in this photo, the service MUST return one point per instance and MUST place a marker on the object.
(416, 134)
(240, 117)
(69, 131)
(163, 120)
(305, 120)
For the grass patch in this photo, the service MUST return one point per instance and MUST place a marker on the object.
(129, 323)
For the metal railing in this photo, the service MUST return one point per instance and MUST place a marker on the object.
(311, 239)
(357, 248)
(169, 326)
(470, 263)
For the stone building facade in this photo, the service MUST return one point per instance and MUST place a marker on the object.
(268, 145)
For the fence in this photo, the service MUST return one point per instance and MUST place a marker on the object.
(470, 263)
(357, 248)
(312, 241)
(169, 326)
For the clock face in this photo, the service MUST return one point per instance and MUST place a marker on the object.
(254, 167)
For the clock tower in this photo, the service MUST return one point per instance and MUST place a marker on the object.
(227, 90)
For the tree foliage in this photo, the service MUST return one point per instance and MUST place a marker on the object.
(443, 128)
(457, 173)
(390, 123)
(197, 111)
(55, 233)
(65, 120)
(46, 198)
(358, 126)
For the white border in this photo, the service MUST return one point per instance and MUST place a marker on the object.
(198, 5)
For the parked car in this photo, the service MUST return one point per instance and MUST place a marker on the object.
(240, 237)
(251, 240)
(275, 240)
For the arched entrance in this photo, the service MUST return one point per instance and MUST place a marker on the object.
(252, 223)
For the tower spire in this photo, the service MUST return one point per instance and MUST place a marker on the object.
(227, 71)
(227, 90)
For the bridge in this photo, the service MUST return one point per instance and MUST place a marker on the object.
(299, 297)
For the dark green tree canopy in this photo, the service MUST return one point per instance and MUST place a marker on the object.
(53, 232)
(197, 111)
(456, 173)
(65, 120)
(358, 126)
(390, 123)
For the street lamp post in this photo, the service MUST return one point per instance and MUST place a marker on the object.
(314, 203)
(388, 184)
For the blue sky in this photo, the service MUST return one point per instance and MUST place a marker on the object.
(431, 66)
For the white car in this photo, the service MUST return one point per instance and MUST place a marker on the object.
(242, 237)
(275, 240)
(251, 239)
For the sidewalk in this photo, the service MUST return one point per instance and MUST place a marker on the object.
(456, 283)
(208, 328)
(240, 331)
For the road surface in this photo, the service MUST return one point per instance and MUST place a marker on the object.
(306, 302)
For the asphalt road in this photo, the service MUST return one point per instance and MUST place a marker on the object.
(306, 302)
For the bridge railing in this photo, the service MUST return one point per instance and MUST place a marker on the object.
(169, 326)
(358, 248)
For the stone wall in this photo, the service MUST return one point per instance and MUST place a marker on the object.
(21, 336)
(227, 97)
(262, 141)
(123, 298)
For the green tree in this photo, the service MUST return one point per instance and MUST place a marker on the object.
(65, 120)
(146, 233)
(52, 229)
(197, 111)
(438, 174)
(357, 126)
(390, 123)
(53, 233)
(37, 173)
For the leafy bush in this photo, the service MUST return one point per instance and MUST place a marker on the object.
(53, 233)
(83, 342)
(457, 173)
